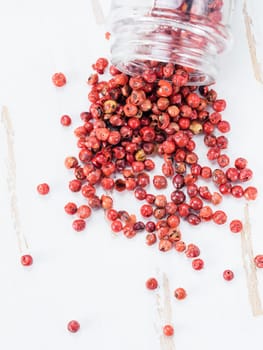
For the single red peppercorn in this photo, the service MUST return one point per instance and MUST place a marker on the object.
(151, 283)
(178, 197)
(222, 142)
(180, 246)
(151, 239)
(26, 260)
(75, 185)
(140, 193)
(240, 163)
(228, 275)
(215, 118)
(258, 260)
(193, 219)
(70, 208)
(168, 330)
(192, 190)
(213, 153)
(173, 221)
(196, 203)
(197, 264)
(112, 214)
(159, 182)
(116, 226)
(192, 251)
(223, 126)
(65, 120)
(216, 198)
(73, 326)
(219, 217)
(146, 210)
(219, 105)
(87, 191)
(206, 213)
(79, 225)
(180, 293)
(43, 188)
(250, 193)
(59, 79)
(232, 174)
(237, 191)
(160, 201)
(223, 160)
(225, 188)
(71, 162)
(245, 174)
(206, 172)
(128, 231)
(236, 226)
(165, 88)
(165, 245)
(84, 211)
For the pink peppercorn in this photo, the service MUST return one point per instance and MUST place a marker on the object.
(26, 260)
(84, 211)
(240, 163)
(116, 226)
(219, 217)
(236, 226)
(79, 225)
(219, 105)
(192, 251)
(59, 79)
(259, 261)
(250, 193)
(180, 293)
(65, 120)
(70, 208)
(73, 326)
(168, 330)
(151, 283)
(43, 188)
(197, 264)
(228, 275)
(146, 210)
(75, 185)
(180, 246)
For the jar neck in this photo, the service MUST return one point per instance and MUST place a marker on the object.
(167, 37)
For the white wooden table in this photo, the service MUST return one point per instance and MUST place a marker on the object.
(93, 276)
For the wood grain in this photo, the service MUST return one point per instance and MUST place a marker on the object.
(252, 45)
(98, 13)
(11, 178)
(165, 313)
(249, 266)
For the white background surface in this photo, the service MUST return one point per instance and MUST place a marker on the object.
(93, 276)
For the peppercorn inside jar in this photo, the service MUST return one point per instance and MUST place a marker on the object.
(188, 33)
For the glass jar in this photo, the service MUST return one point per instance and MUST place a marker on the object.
(188, 33)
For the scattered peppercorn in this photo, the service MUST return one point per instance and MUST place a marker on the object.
(228, 275)
(180, 293)
(197, 264)
(151, 283)
(133, 119)
(259, 261)
(59, 79)
(65, 120)
(168, 330)
(73, 326)
(236, 226)
(43, 188)
(26, 260)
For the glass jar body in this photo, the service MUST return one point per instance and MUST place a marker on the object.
(188, 33)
